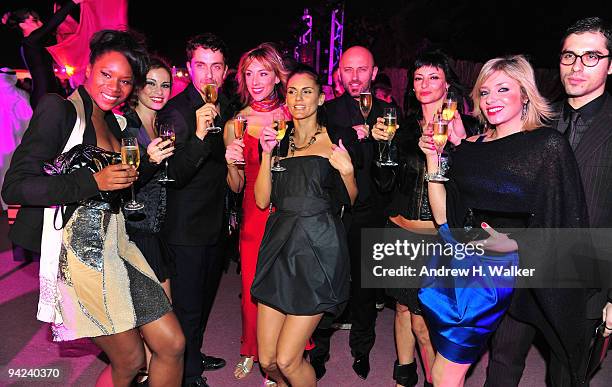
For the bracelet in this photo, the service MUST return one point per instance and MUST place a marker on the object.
(429, 176)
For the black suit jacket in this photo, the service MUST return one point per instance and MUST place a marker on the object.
(594, 156)
(196, 200)
(343, 112)
(26, 185)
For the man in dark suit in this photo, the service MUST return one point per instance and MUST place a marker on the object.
(194, 219)
(586, 121)
(357, 70)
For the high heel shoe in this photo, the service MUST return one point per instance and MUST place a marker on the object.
(244, 367)
(269, 383)
(405, 374)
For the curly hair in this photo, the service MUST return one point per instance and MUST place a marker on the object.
(155, 62)
(130, 44)
(271, 59)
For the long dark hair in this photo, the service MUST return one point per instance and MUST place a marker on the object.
(155, 62)
(439, 60)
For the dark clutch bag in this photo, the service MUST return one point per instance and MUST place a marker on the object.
(83, 156)
(505, 222)
(597, 352)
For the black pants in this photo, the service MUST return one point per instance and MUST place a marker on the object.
(362, 302)
(509, 348)
(198, 273)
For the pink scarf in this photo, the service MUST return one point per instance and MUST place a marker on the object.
(267, 104)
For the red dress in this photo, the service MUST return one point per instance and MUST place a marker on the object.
(251, 233)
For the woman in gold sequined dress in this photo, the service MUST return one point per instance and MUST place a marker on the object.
(104, 288)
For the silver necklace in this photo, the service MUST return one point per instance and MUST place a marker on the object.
(293, 148)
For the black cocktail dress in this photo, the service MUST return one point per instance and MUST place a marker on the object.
(303, 265)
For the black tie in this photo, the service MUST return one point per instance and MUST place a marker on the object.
(570, 133)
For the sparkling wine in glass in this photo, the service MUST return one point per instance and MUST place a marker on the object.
(166, 132)
(440, 136)
(130, 155)
(390, 120)
(365, 106)
(240, 124)
(449, 106)
(210, 96)
(281, 127)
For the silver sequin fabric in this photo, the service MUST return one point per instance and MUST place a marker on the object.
(105, 285)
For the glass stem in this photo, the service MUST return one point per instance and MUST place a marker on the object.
(133, 195)
(277, 158)
(389, 152)
(439, 163)
(166, 168)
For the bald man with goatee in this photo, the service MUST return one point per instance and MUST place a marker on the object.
(357, 71)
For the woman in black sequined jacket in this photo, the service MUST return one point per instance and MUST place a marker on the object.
(143, 226)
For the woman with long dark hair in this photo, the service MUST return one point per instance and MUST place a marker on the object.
(143, 226)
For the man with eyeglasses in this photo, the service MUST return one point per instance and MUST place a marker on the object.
(585, 119)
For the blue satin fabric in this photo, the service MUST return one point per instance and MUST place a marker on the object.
(462, 312)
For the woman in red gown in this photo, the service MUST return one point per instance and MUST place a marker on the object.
(261, 85)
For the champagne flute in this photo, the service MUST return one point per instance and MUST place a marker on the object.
(390, 117)
(130, 155)
(440, 136)
(365, 106)
(449, 106)
(281, 127)
(240, 124)
(210, 96)
(166, 132)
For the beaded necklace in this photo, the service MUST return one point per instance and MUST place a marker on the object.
(267, 104)
(293, 148)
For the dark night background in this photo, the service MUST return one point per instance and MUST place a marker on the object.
(474, 30)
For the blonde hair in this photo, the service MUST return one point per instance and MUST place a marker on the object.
(539, 111)
(269, 58)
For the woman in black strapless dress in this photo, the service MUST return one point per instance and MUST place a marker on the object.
(303, 268)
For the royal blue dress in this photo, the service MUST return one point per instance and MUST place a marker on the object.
(527, 180)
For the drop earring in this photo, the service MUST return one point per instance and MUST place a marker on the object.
(524, 111)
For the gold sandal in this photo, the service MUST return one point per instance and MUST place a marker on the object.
(270, 383)
(243, 367)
